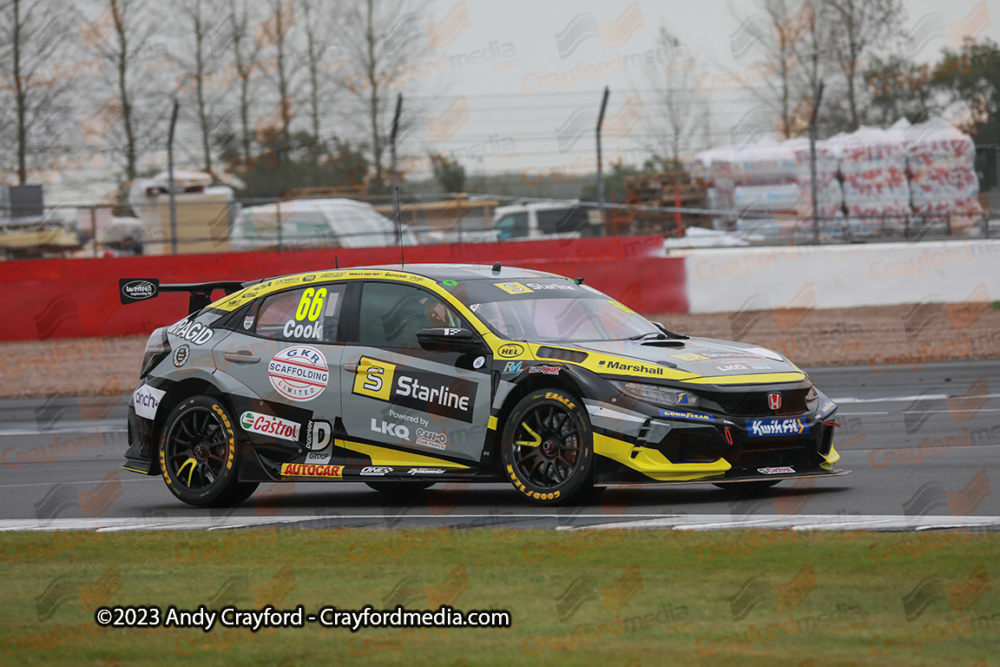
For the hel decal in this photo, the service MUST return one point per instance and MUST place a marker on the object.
(510, 350)
(689, 356)
(299, 373)
(414, 388)
(311, 470)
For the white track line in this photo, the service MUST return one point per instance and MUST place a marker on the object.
(807, 522)
(638, 521)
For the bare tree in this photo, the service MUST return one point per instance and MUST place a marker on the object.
(245, 52)
(858, 28)
(122, 34)
(382, 41)
(31, 39)
(200, 23)
(677, 104)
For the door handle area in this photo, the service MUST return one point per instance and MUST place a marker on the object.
(350, 367)
(241, 357)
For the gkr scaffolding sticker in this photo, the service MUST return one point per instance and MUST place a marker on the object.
(299, 373)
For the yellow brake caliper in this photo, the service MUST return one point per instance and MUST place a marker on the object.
(532, 443)
(193, 463)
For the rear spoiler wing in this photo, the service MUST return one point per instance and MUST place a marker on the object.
(132, 290)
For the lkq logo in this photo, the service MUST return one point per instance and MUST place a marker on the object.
(388, 428)
(774, 401)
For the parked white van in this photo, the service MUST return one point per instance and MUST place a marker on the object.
(332, 223)
(547, 220)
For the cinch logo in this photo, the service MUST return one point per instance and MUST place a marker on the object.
(765, 427)
(633, 368)
(267, 425)
(415, 388)
(310, 470)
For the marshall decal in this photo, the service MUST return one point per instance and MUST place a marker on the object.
(414, 388)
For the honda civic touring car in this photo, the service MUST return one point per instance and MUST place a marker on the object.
(402, 377)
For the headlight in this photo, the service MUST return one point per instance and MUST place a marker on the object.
(812, 395)
(651, 393)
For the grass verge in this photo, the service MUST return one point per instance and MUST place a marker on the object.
(581, 597)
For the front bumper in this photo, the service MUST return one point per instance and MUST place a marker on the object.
(723, 450)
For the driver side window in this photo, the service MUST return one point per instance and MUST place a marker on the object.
(391, 315)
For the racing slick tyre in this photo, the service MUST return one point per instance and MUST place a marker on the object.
(392, 488)
(198, 454)
(547, 447)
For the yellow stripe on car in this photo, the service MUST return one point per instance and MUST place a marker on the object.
(653, 463)
(382, 456)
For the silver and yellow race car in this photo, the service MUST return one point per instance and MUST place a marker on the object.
(413, 375)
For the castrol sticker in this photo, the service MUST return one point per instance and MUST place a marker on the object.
(255, 422)
(299, 373)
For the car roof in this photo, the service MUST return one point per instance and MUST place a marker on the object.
(439, 272)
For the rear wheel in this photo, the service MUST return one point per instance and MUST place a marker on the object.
(547, 447)
(198, 454)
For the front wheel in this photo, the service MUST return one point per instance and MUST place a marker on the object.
(198, 454)
(547, 447)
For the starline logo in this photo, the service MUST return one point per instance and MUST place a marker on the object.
(255, 422)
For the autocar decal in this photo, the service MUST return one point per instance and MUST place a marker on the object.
(415, 388)
(299, 373)
(311, 470)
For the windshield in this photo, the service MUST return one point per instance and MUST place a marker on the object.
(549, 309)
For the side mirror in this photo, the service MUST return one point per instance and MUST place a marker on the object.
(445, 339)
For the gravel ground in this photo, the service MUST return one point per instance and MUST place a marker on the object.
(882, 338)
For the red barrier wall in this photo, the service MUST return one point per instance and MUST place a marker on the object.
(79, 298)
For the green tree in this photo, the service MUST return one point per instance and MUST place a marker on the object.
(449, 173)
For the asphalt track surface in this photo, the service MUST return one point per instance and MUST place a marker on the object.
(923, 446)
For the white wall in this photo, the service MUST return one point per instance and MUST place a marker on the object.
(841, 276)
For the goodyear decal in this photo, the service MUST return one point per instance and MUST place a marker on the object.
(762, 428)
(311, 470)
(696, 416)
(414, 388)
